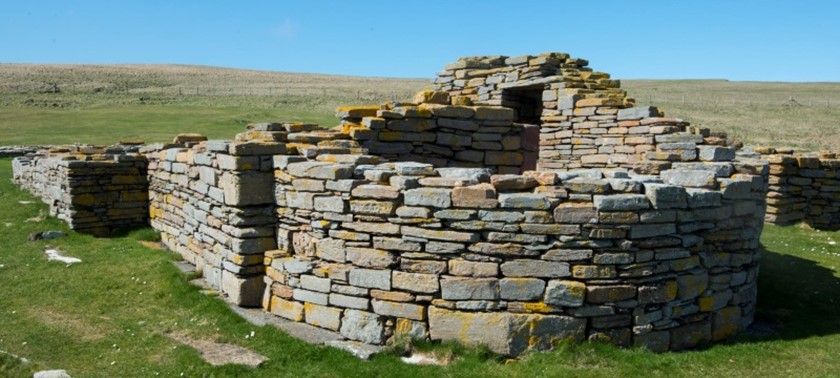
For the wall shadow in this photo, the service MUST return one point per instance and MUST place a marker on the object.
(797, 299)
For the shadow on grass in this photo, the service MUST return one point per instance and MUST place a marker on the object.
(797, 299)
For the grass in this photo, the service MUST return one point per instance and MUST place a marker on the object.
(108, 315)
(102, 104)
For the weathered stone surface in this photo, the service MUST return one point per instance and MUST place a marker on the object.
(370, 278)
(691, 179)
(504, 333)
(513, 182)
(565, 293)
(322, 316)
(621, 202)
(363, 326)
(331, 249)
(461, 288)
(481, 196)
(666, 196)
(454, 236)
(247, 188)
(370, 257)
(434, 197)
(716, 153)
(460, 267)
(637, 113)
(400, 310)
(521, 289)
(609, 294)
(415, 282)
(525, 201)
(288, 309)
(535, 268)
(575, 213)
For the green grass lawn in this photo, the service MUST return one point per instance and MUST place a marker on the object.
(151, 123)
(108, 316)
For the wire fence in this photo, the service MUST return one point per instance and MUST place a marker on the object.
(722, 101)
(377, 93)
(348, 92)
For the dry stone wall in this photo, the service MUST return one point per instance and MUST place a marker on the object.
(96, 190)
(213, 204)
(584, 118)
(803, 188)
(433, 131)
(380, 250)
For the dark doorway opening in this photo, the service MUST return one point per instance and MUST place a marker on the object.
(527, 106)
(526, 103)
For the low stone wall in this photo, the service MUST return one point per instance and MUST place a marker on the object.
(377, 251)
(435, 132)
(213, 203)
(803, 188)
(95, 190)
(584, 118)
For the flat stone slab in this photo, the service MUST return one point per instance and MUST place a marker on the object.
(217, 354)
(307, 333)
(184, 267)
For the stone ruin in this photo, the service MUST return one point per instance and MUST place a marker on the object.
(523, 202)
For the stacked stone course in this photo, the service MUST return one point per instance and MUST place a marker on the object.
(213, 201)
(803, 188)
(96, 190)
(584, 118)
(513, 261)
(443, 135)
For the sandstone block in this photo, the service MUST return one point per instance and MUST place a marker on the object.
(521, 289)
(322, 316)
(565, 293)
(434, 197)
(363, 326)
(535, 268)
(461, 288)
(504, 333)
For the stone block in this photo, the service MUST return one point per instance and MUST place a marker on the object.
(666, 196)
(535, 268)
(363, 326)
(504, 333)
(399, 309)
(322, 316)
(247, 188)
(575, 213)
(348, 301)
(565, 293)
(433, 197)
(288, 309)
(481, 196)
(521, 289)
(691, 179)
(525, 201)
(370, 278)
(243, 291)
(621, 202)
(609, 293)
(461, 288)
(461, 267)
(716, 153)
(415, 282)
(637, 113)
(370, 257)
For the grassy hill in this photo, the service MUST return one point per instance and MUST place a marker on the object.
(41, 104)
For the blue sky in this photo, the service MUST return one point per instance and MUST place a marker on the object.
(736, 40)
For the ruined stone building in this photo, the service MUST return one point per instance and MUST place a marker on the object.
(522, 202)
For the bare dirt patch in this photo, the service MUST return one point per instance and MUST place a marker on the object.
(219, 353)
